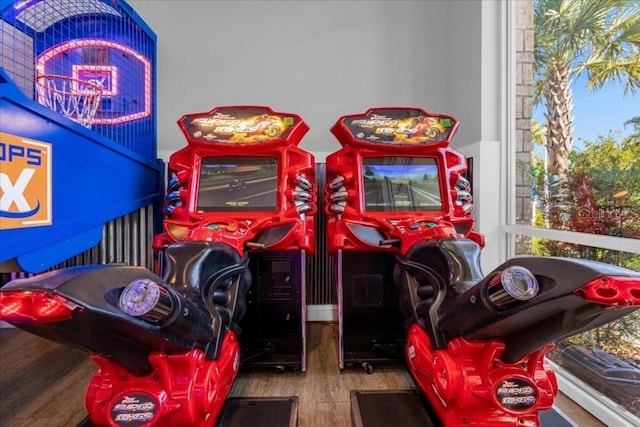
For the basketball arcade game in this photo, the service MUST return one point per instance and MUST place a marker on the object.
(399, 225)
(242, 181)
(77, 90)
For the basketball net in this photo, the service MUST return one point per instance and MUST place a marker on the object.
(76, 99)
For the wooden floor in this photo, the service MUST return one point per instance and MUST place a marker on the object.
(42, 384)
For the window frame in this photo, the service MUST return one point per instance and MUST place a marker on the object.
(591, 400)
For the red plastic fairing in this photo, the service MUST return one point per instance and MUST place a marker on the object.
(400, 133)
(242, 134)
(614, 291)
(28, 307)
(182, 390)
(467, 384)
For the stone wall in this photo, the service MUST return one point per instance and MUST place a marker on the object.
(524, 105)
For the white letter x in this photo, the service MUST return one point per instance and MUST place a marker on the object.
(15, 193)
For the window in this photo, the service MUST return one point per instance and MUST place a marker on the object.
(576, 191)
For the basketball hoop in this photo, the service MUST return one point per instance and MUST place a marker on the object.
(76, 99)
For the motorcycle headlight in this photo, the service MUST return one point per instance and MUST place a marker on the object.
(145, 298)
(513, 284)
(519, 282)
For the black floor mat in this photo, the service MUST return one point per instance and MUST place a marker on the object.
(252, 412)
(553, 418)
(387, 408)
(259, 412)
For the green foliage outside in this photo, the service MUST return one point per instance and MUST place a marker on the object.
(597, 189)
(612, 168)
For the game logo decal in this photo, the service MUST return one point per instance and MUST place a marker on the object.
(516, 394)
(25, 182)
(239, 126)
(399, 127)
(134, 409)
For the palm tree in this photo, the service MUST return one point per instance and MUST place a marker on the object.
(598, 37)
(635, 122)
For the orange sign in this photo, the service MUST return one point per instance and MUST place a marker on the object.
(25, 182)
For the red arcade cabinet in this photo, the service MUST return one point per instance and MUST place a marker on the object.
(243, 181)
(409, 281)
(394, 177)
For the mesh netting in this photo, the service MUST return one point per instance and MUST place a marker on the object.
(76, 99)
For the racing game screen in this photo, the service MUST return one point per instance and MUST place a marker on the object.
(401, 184)
(238, 184)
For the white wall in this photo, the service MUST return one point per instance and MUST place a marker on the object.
(318, 59)
(324, 59)
(463, 33)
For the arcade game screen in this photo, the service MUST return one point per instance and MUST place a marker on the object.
(237, 184)
(401, 184)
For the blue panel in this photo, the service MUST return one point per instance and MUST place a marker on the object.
(92, 180)
(71, 245)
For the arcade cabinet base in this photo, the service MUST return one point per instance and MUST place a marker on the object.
(273, 327)
(372, 330)
(383, 408)
(252, 411)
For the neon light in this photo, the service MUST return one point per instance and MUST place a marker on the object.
(21, 4)
(73, 44)
(103, 76)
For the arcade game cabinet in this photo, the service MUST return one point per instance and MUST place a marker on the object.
(399, 224)
(239, 206)
(243, 181)
(394, 173)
